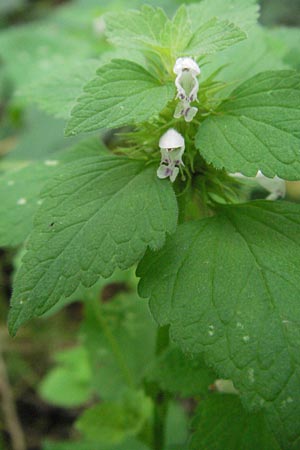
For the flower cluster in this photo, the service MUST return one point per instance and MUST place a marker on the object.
(172, 143)
(187, 86)
(172, 148)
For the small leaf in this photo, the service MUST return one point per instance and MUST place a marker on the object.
(257, 129)
(178, 373)
(112, 422)
(222, 423)
(243, 13)
(97, 214)
(214, 36)
(229, 286)
(122, 93)
(69, 383)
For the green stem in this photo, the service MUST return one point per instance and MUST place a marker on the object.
(161, 398)
(113, 344)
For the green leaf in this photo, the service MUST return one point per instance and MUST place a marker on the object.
(222, 423)
(178, 373)
(97, 214)
(57, 92)
(289, 38)
(229, 286)
(214, 36)
(20, 188)
(257, 129)
(112, 335)
(68, 384)
(40, 137)
(123, 93)
(112, 422)
(243, 13)
(262, 54)
(135, 29)
(19, 191)
(37, 48)
(129, 444)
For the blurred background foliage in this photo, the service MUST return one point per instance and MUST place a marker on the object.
(58, 365)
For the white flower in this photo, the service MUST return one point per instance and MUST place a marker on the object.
(171, 148)
(187, 86)
(275, 186)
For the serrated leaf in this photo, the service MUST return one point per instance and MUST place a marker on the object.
(19, 191)
(229, 286)
(69, 383)
(261, 53)
(180, 374)
(222, 423)
(243, 13)
(57, 92)
(134, 28)
(130, 323)
(97, 214)
(123, 93)
(112, 422)
(20, 188)
(257, 129)
(37, 48)
(214, 36)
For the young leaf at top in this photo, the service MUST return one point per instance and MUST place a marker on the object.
(149, 28)
(214, 36)
(222, 423)
(97, 214)
(133, 28)
(243, 13)
(229, 286)
(257, 129)
(122, 93)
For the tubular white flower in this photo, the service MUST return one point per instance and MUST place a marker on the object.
(172, 148)
(187, 86)
(275, 186)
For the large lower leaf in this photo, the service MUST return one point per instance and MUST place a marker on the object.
(97, 214)
(122, 93)
(222, 423)
(257, 129)
(230, 286)
(20, 187)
